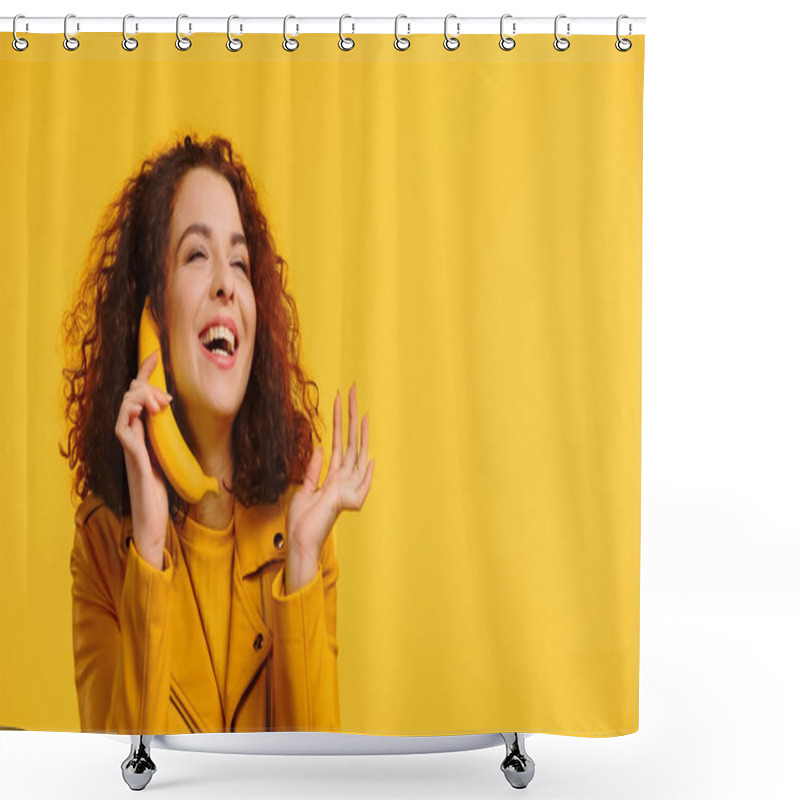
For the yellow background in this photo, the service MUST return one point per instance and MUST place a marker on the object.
(463, 233)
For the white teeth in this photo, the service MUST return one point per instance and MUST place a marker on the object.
(219, 332)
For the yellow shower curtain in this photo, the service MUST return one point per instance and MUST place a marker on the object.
(463, 238)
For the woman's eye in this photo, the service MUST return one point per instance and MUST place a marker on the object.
(241, 264)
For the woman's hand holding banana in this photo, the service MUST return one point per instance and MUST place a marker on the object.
(148, 491)
(314, 510)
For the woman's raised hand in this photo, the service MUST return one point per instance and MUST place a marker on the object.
(148, 490)
(314, 509)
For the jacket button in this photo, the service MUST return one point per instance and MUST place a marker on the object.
(259, 642)
(278, 541)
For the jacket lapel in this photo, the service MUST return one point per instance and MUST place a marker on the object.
(256, 545)
(250, 643)
(193, 674)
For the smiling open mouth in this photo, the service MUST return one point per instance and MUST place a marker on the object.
(219, 340)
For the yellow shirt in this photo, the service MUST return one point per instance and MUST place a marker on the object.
(208, 553)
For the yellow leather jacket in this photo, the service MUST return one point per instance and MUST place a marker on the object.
(141, 660)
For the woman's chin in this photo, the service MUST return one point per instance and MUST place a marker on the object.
(223, 412)
(215, 410)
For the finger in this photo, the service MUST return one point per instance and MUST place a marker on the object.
(138, 384)
(129, 411)
(313, 471)
(352, 432)
(155, 404)
(148, 365)
(135, 401)
(357, 495)
(336, 449)
(124, 421)
(363, 453)
(140, 390)
(163, 398)
(148, 399)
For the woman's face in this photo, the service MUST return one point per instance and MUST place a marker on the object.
(210, 306)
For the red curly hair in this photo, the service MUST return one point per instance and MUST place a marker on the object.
(273, 434)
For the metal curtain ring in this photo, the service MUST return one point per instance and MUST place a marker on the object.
(561, 44)
(506, 42)
(451, 42)
(623, 45)
(70, 42)
(400, 42)
(289, 44)
(18, 43)
(233, 44)
(128, 42)
(345, 42)
(182, 43)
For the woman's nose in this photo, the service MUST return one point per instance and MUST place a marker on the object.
(224, 282)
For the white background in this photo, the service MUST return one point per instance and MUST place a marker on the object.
(720, 441)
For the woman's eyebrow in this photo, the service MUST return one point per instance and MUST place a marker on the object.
(204, 230)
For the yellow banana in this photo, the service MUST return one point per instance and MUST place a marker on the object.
(176, 459)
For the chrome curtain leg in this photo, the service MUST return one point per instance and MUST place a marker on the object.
(517, 766)
(138, 767)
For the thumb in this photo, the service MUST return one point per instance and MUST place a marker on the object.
(313, 471)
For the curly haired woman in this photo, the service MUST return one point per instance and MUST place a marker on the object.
(218, 615)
